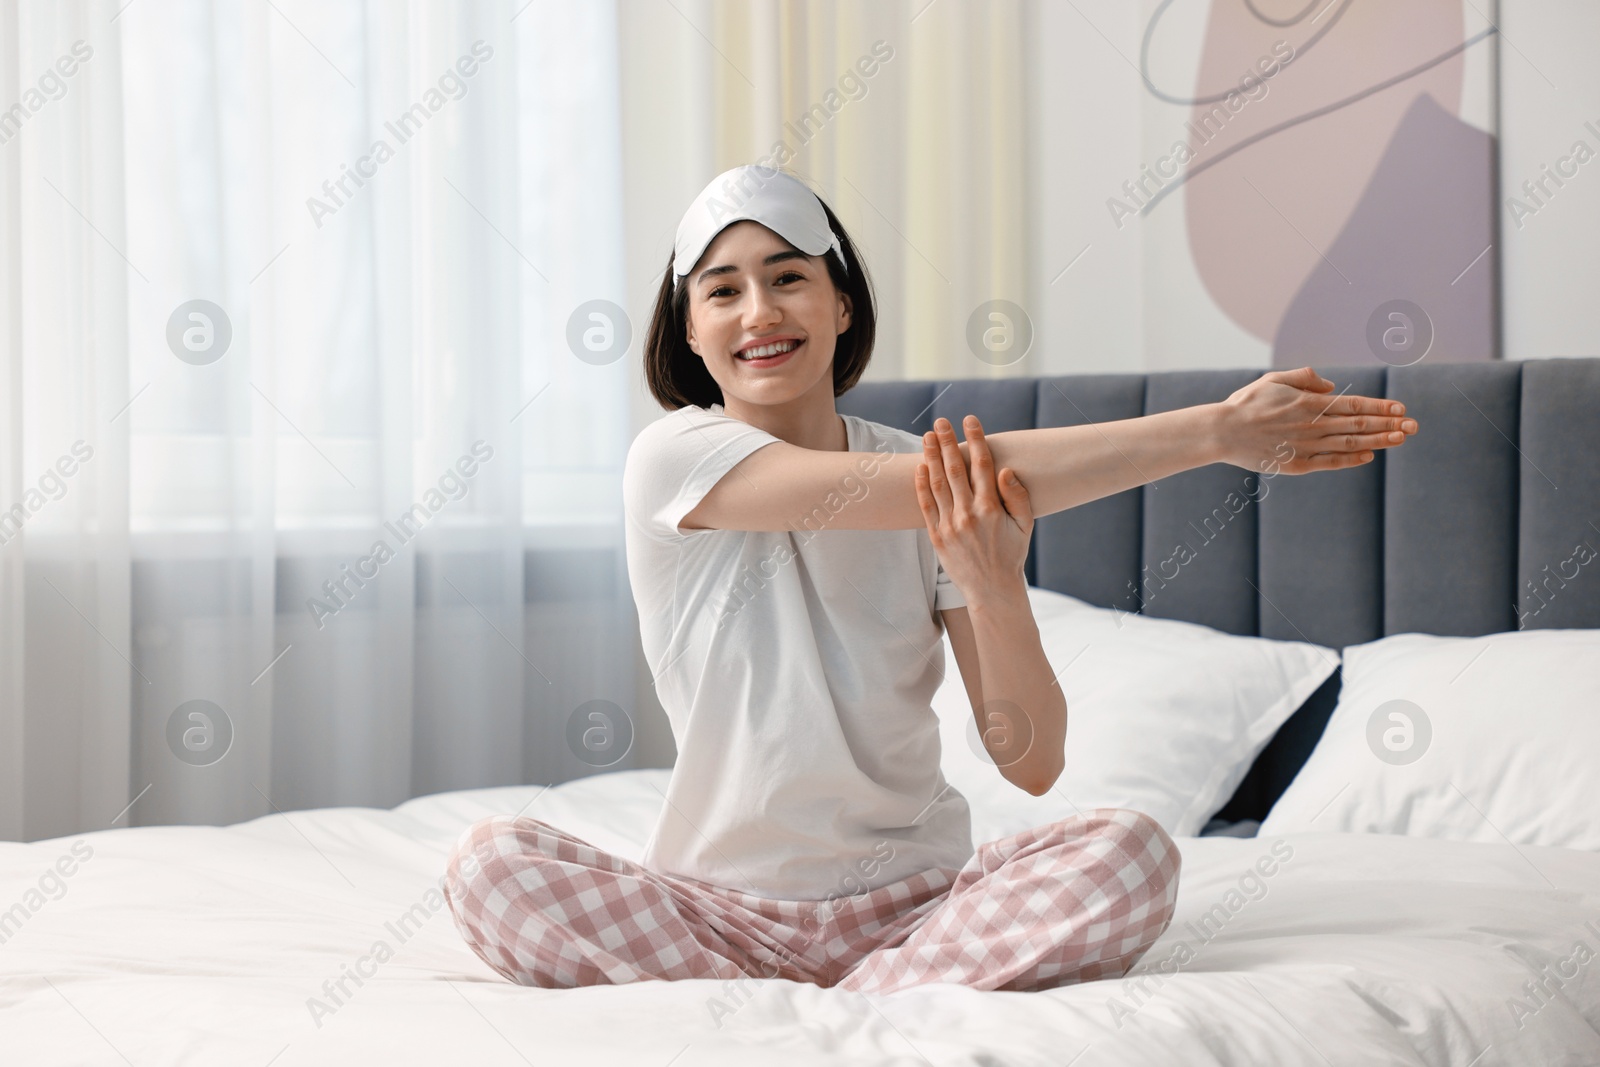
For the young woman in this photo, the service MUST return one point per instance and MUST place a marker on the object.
(794, 570)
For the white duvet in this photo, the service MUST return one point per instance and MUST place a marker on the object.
(320, 937)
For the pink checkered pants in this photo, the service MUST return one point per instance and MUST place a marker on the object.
(1070, 901)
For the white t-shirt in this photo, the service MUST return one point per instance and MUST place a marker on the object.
(797, 669)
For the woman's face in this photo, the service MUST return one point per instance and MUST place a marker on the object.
(753, 293)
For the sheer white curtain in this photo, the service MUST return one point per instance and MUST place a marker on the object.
(342, 525)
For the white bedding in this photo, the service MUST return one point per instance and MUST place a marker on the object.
(180, 945)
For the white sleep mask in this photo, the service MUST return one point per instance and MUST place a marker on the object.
(780, 202)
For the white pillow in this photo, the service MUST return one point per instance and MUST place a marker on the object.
(1164, 717)
(1473, 738)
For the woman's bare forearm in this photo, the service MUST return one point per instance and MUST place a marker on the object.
(1064, 466)
(1023, 714)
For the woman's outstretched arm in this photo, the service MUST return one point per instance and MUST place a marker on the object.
(1285, 422)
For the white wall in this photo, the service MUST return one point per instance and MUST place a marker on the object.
(1085, 142)
(1549, 89)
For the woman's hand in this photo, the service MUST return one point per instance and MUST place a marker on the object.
(979, 527)
(1289, 421)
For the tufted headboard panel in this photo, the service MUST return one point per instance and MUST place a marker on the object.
(1471, 527)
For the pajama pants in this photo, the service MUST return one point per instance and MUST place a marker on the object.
(1070, 901)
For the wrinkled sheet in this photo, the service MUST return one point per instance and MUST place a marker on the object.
(321, 937)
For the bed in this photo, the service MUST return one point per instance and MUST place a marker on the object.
(320, 936)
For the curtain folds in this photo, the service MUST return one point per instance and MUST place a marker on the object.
(291, 276)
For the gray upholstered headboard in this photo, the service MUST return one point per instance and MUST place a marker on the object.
(1473, 526)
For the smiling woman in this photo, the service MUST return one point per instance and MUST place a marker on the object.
(796, 665)
(800, 296)
(807, 801)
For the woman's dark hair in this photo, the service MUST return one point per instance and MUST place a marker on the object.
(677, 377)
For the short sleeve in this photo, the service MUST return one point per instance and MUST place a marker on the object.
(673, 463)
(946, 594)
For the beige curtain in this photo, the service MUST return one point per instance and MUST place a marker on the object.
(923, 159)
